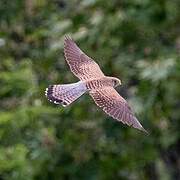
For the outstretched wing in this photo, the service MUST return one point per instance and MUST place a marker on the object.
(80, 64)
(115, 106)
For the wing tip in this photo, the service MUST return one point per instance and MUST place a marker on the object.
(138, 126)
(68, 41)
(144, 130)
(67, 38)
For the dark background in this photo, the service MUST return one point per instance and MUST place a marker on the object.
(137, 41)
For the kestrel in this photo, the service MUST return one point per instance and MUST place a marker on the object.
(93, 81)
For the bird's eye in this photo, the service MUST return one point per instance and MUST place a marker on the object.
(115, 82)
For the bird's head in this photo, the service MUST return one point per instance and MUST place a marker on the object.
(116, 81)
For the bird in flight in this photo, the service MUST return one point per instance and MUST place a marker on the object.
(93, 81)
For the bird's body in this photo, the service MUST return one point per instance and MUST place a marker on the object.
(93, 81)
(65, 94)
(101, 82)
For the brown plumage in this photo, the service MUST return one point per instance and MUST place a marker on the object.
(92, 80)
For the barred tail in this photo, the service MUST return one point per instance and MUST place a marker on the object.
(65, 94)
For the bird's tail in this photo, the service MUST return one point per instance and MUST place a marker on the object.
(65, 94)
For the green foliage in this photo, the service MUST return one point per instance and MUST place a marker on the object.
(137, 41)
